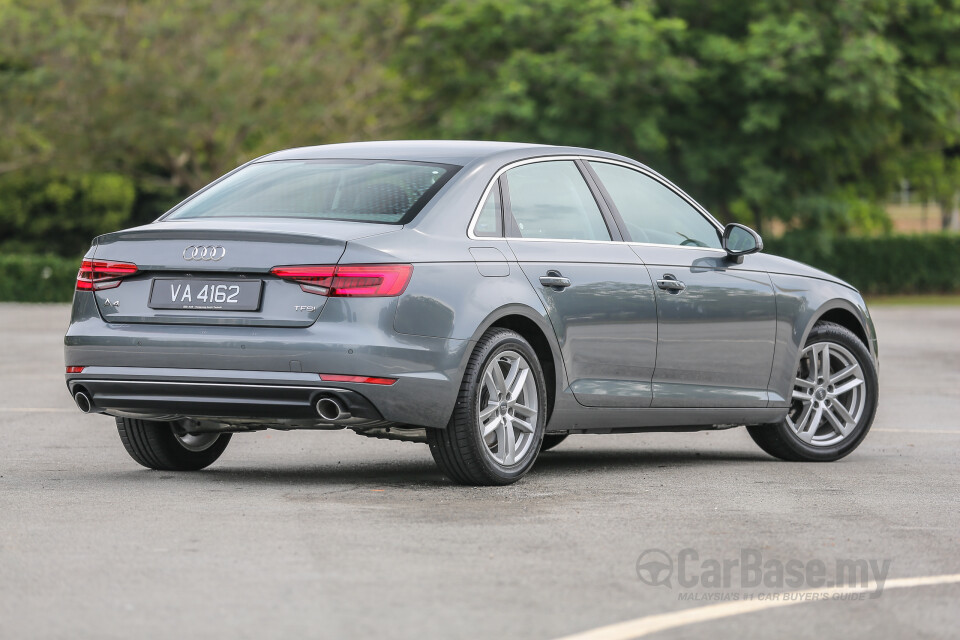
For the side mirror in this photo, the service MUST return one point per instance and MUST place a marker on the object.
(739, 241)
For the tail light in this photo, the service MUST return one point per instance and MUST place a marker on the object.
(74, 369)
(101, 274)
(349, 280)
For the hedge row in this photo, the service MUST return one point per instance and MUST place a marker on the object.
(887, 265)
(877, 266)
(31, 278)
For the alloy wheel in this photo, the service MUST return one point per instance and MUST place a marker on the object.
(507, 408)
(829, 395)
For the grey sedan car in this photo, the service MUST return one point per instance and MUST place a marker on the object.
(486, 298)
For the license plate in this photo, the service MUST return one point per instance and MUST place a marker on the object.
(206, 295)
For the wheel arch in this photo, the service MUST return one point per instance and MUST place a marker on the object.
(802, 303)
(845, 314)
(853, 316)
(536, 330)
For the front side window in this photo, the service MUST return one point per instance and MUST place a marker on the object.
(551, 200)
(652, 212)
(389, 192)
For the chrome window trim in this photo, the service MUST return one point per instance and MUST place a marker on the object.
(493, 181)
(669, 185)
(677, 246)
(638, 168)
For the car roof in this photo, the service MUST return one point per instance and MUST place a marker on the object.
(458, 152)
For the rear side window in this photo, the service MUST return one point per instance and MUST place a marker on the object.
(363, 191)
(652, 212)
(551, 200)
(489, 221)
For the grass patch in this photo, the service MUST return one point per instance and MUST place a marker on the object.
(931, 300)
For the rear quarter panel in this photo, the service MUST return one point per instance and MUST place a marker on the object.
(449, 295)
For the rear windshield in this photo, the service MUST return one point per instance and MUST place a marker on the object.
(380, 191)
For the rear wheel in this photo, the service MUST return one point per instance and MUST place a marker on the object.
(166, 447)
(494, 435)
(834, 400)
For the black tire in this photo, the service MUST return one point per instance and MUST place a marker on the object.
(460, 450)
(155, 445)
(780, 440)
(550, 440)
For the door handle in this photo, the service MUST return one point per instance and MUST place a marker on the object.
(555, 280)
(670, 283)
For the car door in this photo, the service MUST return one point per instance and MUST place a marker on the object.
(599, 299)
(716, 318)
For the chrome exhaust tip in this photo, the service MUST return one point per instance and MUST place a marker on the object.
(84, 403)
(330, 409)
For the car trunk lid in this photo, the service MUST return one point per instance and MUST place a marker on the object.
(188, 270)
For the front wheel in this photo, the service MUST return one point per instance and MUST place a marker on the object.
(164, 446)
(496, 429)
(834, 400)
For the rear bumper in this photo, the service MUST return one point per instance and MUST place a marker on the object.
(251, 371)
(165, 395)
(261, 395)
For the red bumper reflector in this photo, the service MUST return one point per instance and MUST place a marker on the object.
(74, 369)
(334, 377)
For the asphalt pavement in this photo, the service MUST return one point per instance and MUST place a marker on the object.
(331, 535)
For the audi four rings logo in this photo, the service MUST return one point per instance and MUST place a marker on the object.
(204, 253)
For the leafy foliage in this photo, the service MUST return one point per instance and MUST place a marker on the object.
(61, 213)
(581, 72)
(879, 266)
(37, 278)
(762, 109)
(181, 91)
(808, 112)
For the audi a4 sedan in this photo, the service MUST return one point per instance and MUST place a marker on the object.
(486, 298)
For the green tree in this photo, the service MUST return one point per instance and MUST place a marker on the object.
(796, 113)
(56, 213)
(805, 111)
(581, 72)
(175, 93)
(799, 111)
(935, 177)
(22, 143)
(931, 131)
